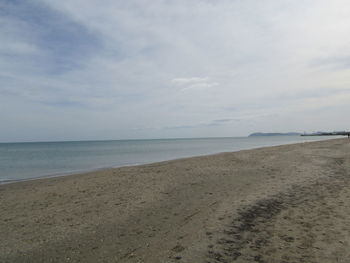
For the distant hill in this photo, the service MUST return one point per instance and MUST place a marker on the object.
(274, 134)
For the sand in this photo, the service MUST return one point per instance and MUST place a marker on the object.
(278, 204)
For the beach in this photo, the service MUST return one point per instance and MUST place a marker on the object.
(287, 203)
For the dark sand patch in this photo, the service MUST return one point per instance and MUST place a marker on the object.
(307, 223)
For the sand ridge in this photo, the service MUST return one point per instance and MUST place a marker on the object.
(276, 204)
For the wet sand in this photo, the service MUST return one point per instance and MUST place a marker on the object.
(281, 204)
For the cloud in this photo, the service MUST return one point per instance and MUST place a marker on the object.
(189, 81)
(194, 83)
(212, 123)
(335, 62)
(195, 65)
(55, 42)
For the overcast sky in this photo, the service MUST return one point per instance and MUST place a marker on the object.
(115, 69)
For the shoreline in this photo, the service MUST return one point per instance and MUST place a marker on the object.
(84, 171)
(198, 209)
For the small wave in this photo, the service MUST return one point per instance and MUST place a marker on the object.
(6, 180)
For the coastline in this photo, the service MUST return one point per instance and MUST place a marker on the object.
(186, 210)
(89, 170)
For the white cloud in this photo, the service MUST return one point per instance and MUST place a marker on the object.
(194, 83)
(187, 81)
(162, 63)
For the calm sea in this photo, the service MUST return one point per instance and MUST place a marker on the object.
(21, 161)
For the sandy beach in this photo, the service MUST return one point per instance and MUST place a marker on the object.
(280, 204)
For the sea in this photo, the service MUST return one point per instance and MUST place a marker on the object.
(30, 160)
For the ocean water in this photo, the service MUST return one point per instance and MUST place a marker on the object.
(22, 161)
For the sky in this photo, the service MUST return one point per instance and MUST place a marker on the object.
(140, 69)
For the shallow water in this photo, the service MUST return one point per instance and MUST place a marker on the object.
(21, 161)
